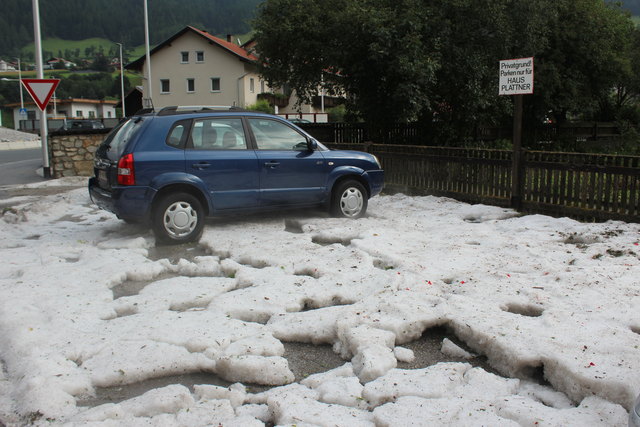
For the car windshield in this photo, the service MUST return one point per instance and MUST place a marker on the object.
(115, 142)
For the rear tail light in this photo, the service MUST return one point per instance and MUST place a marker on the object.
(126, 174)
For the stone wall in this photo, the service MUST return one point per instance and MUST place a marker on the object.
(71, 153)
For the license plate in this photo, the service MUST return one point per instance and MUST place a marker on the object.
(102, 178)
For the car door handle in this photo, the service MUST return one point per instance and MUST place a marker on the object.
(272, 165)
(201, 165)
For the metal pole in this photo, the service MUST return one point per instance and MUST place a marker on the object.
(46, 169)
(124, 114)
(20, 84)
(322, 93)
(517, 161)
(148, 61)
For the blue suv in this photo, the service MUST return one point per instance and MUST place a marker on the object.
(174, 167)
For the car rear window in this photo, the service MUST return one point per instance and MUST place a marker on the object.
(114, 145)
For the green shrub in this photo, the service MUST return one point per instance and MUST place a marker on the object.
(262, 105)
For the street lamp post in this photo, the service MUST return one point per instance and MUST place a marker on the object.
(20, 79)
(124, 114)
(148, 55)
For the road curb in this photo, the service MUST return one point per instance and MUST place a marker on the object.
(19, 145)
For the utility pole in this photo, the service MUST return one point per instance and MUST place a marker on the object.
(124, 114)
(46, 169)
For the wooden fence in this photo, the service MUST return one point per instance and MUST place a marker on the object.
(415, 134)
(582, 186)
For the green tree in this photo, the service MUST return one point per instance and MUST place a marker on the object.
(375, 50)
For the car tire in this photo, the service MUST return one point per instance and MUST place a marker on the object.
(349, 200)
(177, 218)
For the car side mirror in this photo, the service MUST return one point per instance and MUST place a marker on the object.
(312, 145)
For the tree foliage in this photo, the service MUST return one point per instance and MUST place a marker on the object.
(439, 60)
(373, 50)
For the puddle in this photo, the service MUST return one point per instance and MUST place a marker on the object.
(304, 360)
(70, 218)
(331, 240)
(133, 287)
(383, 265)
(308, 272)
(335, 301)
(293, 226)
(117, 394)
(187, 251)
(427, 351)
(308, 359)
(523, 309)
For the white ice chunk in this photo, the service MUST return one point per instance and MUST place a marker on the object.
(373, 361)
(435, 381)
(261, 345)
(404, 354)
(272, 370)
(449, 348)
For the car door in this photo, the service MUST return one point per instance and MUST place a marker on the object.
(290, 173)
(218, 154)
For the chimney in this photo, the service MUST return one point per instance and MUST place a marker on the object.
(229, 38)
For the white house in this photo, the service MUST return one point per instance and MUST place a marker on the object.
(194, 67)
(72, 108)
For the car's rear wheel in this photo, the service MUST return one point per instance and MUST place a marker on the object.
(349, 200)
(178, 218)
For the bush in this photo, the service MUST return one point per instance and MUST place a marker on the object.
(262, 105)
(336, 114)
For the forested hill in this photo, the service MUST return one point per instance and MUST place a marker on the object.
(122, 20)
(119, 20)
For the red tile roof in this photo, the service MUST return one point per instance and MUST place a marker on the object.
(234, 48)
(229, 46)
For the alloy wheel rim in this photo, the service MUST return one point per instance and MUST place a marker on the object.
(180, 219)
(351, 202)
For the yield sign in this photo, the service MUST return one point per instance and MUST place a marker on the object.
(41, 90)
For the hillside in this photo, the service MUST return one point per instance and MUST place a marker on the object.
(119, 20)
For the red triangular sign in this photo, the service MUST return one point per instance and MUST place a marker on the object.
(41, 90)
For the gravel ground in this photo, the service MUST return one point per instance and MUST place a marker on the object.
(10, 135)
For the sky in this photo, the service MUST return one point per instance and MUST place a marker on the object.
(540, 314)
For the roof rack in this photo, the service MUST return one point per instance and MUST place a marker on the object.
(177, 109)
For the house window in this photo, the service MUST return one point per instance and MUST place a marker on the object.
(92, 114)
(165, 86)
(184, 57)
(261, 86)
(215, 84)
(200, 56)
(79, 113)
(109, 114)
(191, 85)
(252, 85)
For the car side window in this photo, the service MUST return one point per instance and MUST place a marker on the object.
(177, 133)
(218, 134)
(275, 135)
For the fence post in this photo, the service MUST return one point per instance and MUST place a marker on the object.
(517, 171)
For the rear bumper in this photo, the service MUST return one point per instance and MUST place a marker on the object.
(130, 203)
(376, 181)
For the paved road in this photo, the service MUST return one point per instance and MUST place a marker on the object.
(20, 166)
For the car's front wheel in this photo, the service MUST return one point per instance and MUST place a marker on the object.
(349, 200)
(178, 218)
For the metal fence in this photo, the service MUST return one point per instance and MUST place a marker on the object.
(583, 186)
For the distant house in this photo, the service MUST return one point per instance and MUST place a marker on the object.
(132, 101)
(71, 108)
(51, 63)
(194, 67)
(7, 66)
